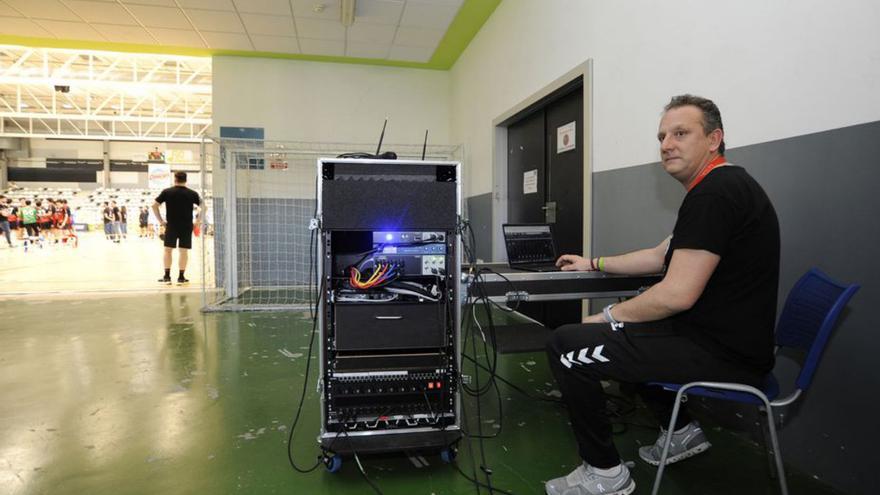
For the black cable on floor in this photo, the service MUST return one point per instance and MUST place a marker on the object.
(360, 466)
(302, 397)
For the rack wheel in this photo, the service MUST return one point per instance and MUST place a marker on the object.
(333, 463)
(448, 455)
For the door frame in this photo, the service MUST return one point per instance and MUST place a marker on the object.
(499, 154)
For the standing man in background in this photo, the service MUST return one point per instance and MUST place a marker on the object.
(710, 318)
(29, 220)
(179, 202)
(5, 213)
(115, 223)
(107, 216)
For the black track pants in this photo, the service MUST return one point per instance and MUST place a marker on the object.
(582, 355)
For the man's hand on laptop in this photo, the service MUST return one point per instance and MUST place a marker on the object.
(573, 263)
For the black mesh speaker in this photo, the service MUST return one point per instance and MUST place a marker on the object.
(388, 196)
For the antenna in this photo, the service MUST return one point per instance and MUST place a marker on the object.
(381, 137)
(425, 145)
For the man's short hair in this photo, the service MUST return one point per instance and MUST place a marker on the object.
(180, 177)
(711, 114)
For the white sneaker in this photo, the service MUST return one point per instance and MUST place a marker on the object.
(584, 480)
(687, 443)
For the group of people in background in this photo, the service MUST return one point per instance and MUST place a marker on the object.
(116, 222)
(36, 221)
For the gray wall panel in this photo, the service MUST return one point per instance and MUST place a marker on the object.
(824, 187)
(479, 213)
(633, 208)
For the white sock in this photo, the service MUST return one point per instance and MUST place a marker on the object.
(608, 473)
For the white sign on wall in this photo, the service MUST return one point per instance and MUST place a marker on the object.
(159, 176)
(565, 137)
(530, 181)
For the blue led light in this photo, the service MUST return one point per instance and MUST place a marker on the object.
(388, 237)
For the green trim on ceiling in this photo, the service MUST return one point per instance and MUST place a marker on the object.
(470, 18)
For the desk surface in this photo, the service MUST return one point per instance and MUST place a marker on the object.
(501, 283)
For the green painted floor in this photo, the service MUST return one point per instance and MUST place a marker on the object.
(146, 395)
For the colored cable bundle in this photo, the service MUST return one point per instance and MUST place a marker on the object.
(382, 273)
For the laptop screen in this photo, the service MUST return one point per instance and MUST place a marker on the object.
(526, 244)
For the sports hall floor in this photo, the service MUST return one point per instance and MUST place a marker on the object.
(138, 392)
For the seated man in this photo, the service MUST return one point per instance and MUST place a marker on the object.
(711, 317)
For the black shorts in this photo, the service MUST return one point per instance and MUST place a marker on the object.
(178, 237)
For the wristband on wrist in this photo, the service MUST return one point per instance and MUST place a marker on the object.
(601, 263)
(593, 264)
(615, 325)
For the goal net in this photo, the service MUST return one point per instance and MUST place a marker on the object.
(263, 195)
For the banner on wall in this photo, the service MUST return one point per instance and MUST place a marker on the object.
(159, 176)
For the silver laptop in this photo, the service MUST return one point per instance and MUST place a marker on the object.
(530, 246)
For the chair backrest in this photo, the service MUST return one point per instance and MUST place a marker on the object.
(808, 317)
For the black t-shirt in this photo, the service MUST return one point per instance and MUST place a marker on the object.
(729, 214)
(116, 217)
(179, 202)
(108, 214)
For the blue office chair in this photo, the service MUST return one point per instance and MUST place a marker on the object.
(806, 322)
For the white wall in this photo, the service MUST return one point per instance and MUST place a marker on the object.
(336, 103)
(776, 69)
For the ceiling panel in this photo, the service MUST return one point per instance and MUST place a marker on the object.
(379, 11)
(7, 11)
(178, 37)
(277, 44)
(71, 30)
(19, 26)
(227, 41)
(320, 30)
(418, 37)
(381, 34)
(164, 3)
(367, 50)
(410, 53)
(125, 34)
(393, 30)
(331, 48)
(275, 25)
(207, 4)
(103, 12)
(213, 20)
(44, 9)
(305, 9)
(165, 17)
(428, 14)
(276, 7)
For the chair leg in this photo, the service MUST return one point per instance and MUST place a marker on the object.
(768, 448)
(780, 470)
(667, 441)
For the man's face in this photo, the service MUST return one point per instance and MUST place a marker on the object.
(684, 146)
